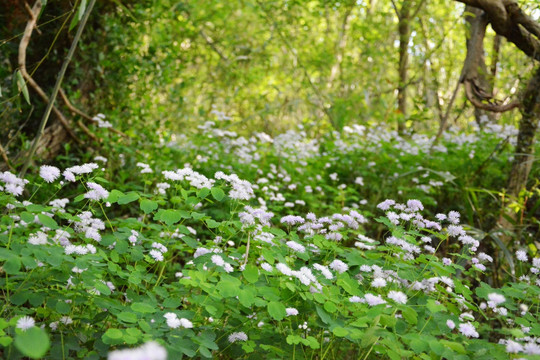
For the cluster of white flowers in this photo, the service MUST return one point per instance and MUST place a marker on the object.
(174, 322)
(238, 336)
(291, 311)
(89, 226)
(69, 173)
(12, 184)
(97, 192)
(145, 168)
(241, 189)
(102, 123)
(194, 178)
(149, 351)
(49, 173)
(133, 237)
(218, 261)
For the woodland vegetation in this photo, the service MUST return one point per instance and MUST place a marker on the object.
(276, 179)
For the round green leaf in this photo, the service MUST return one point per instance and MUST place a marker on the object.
(170, 217)
(127, 198)
(277, 310)
(147, 206)
(217, 193)
(47, 221)
(143, 308)
(33, 342)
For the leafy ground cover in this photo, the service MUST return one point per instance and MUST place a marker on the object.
(360, 245)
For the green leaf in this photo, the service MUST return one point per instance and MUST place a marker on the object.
(127, 198)
(102, 288)
(217, 193)
(311, 342)
(457, 347)
(114, 195)
(170, 217)
(62, 307)
(127, 317)
(5, 341)
(82, 9)
(246, 297)
(228, 288)
(201, 194)
(410, 315)
(143, 308)
(47, 221)
(339, 331)
(251, 273)
(12, 265)
(277, 310)
(147, 206)
(330, 307)
(293, 339)
(434, 307)
(21, 84)
(27, 217)
(113, 334)
(325, 317)
(33, 342)
(212, 224)
(267, 254)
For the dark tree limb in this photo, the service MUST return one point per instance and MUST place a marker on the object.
(473, 93)
(508, 20)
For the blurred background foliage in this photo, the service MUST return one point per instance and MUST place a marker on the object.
(156, 67)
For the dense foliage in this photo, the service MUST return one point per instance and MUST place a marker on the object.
(269, 182)
(280, 247)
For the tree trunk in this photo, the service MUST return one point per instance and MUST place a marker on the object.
(524, 153)
(404, 29)
(475, 69)
(524, 156)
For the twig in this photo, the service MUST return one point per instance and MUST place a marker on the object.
(444, 120)
(59, 79)
(32, 16)
(498, 148)
(84, 115)
(293, 52)
(5, 157)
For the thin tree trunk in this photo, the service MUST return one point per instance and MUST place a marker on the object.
(524, 157)
(404, 29)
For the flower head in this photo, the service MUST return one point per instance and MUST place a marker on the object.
(49, 173)
(25, 323)
(238, 336)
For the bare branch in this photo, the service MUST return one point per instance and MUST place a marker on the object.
(396, 10)
(25, 40)
(84, 115)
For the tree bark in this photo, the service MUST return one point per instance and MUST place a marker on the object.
(524, 157)
(475, 69)
(404, 29)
